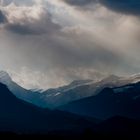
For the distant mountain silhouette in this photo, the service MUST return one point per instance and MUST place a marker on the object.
(84, 88)
(22, 117)
(79, 89)
(123, 101)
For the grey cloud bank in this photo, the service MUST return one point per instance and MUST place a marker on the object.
(53, 43)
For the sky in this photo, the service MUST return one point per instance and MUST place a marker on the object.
(49, 43)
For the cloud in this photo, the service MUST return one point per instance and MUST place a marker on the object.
(26, 19)
(55, 42)
(80, 2)
(18, 2)
(36, 79)
(2, 18)
(123, 6)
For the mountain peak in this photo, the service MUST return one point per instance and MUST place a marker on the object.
(4, 77)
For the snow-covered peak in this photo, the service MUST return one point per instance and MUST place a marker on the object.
(135, 78)
(80, 82)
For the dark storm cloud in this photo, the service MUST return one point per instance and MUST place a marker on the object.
(21, 29)
(33, 29)
(2, 18)
(80, 2)
(123, 6)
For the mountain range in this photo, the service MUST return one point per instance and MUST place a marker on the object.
(52, 98)
(84, 88)
(119, 101)
(82, 109)
(19, 116)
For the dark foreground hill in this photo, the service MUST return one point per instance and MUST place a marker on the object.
(114, 128)
(18, 116)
